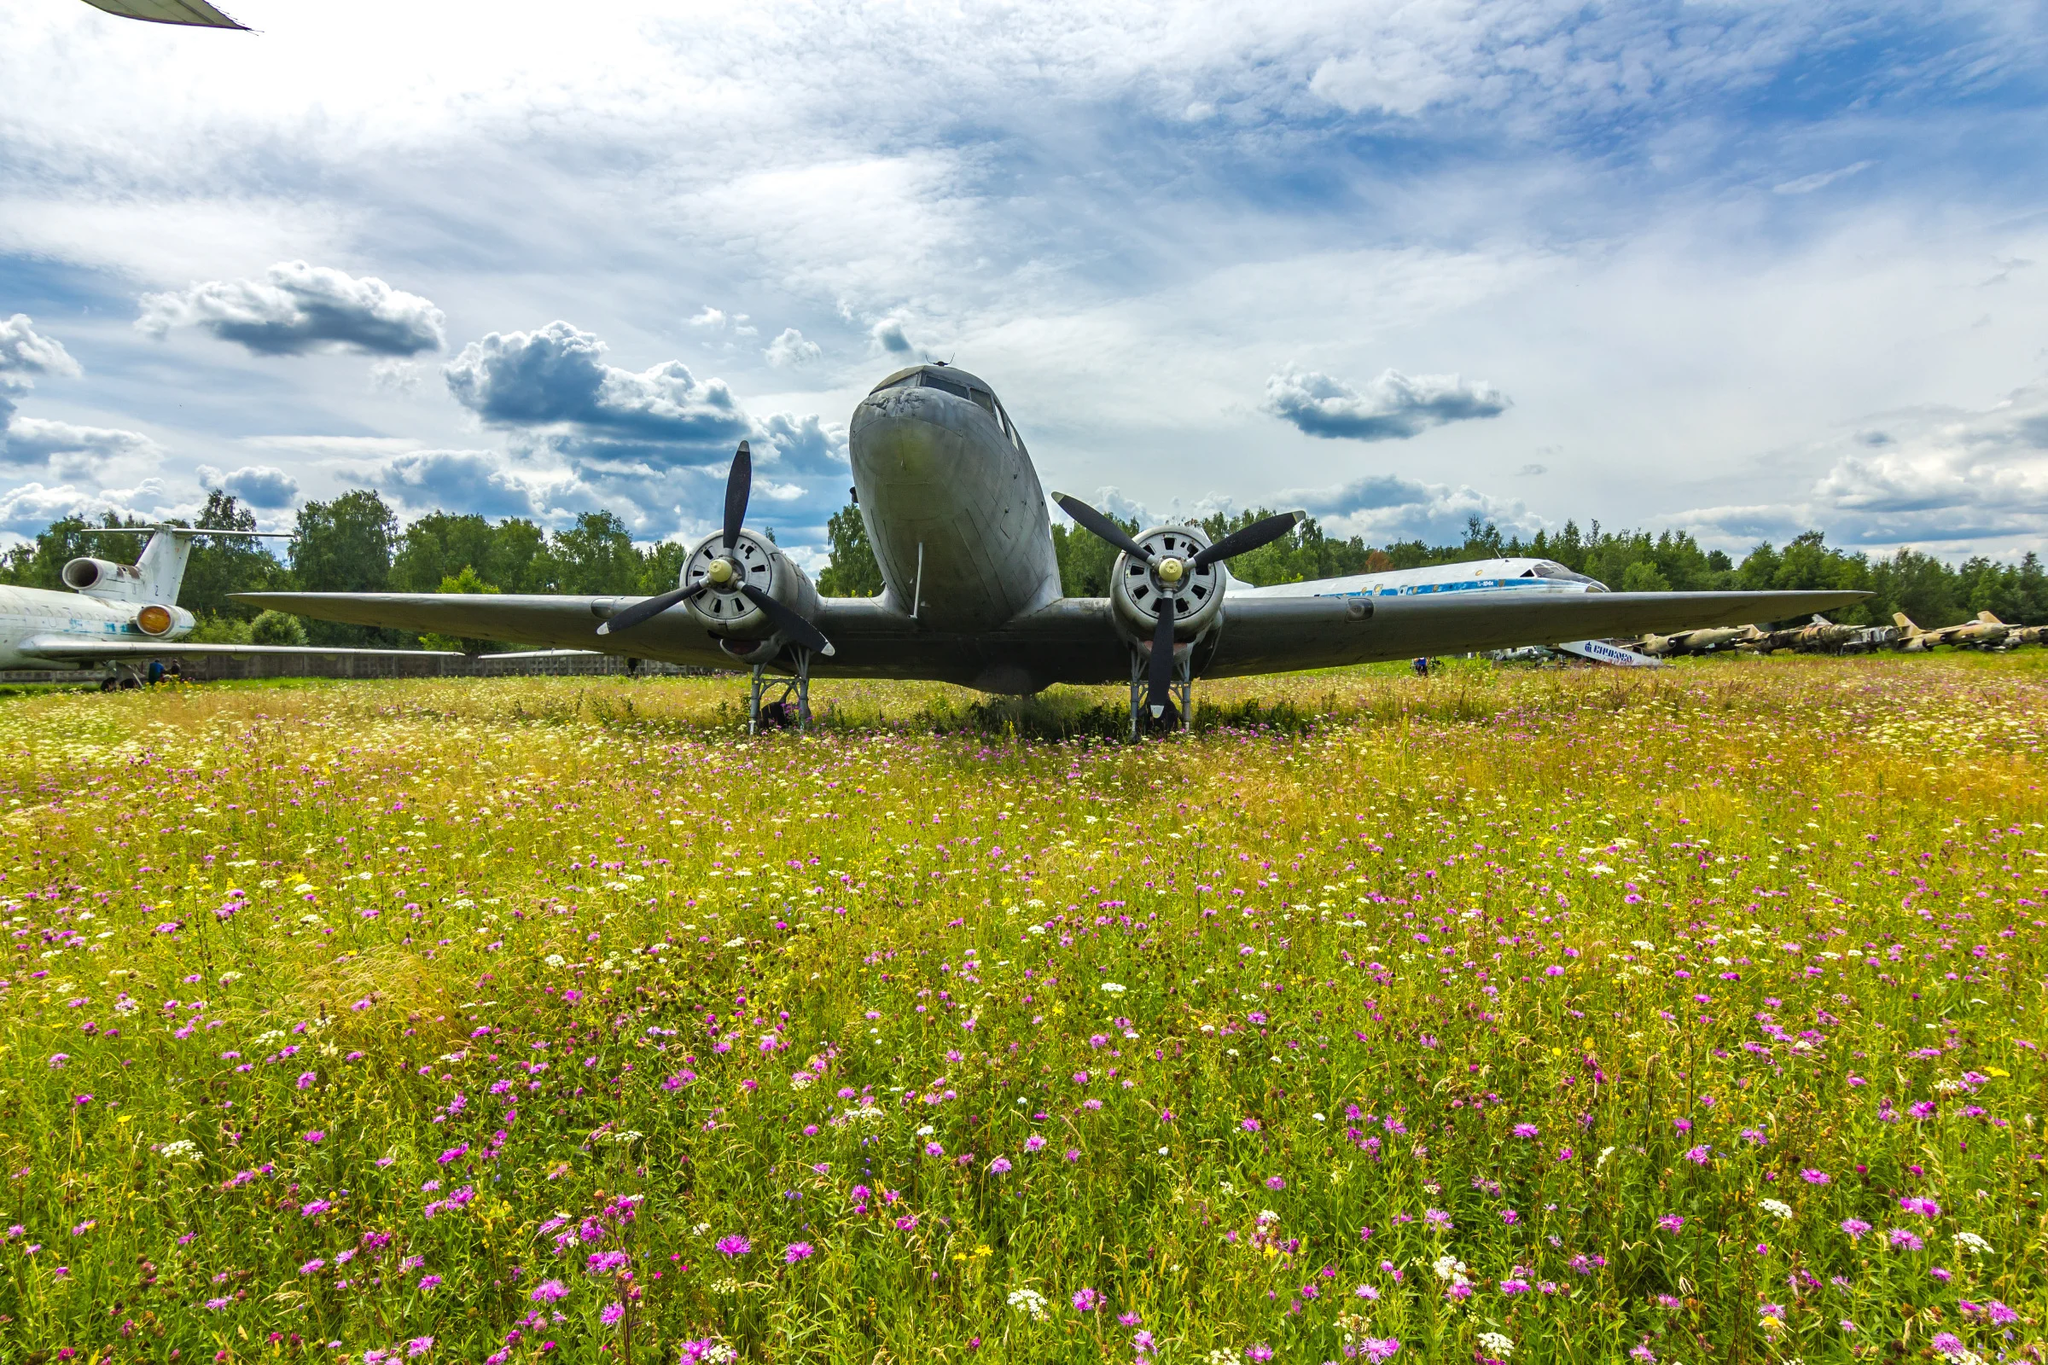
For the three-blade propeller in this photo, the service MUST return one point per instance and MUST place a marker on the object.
(1159, 680)
(739, 484)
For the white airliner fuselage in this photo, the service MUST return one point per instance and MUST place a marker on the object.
(32, 620)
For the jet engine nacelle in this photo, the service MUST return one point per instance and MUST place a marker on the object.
(101, 578)
(1136, 587)
(727, 612)
(160, 622)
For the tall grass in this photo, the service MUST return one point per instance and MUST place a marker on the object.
(1521, 1016)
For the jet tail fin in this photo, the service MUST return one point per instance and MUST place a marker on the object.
(1988, 619)
(1905, 623)
(160, 570)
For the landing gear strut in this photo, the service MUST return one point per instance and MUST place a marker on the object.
(1180, 712)
(777, 703)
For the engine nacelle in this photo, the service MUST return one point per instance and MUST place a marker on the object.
(101, 578)
(1135, 587)
(727, 612)
(160, 621)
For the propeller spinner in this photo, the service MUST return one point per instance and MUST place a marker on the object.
(1170, 574)
(726, 576)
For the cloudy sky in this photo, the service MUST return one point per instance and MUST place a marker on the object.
(1741, 268)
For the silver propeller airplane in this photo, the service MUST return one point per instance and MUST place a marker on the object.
(962, 532)
(120, 614)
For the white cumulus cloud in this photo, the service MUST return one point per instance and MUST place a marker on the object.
(790, 348)
(24, 351)
(298, 308)
(1392, 407)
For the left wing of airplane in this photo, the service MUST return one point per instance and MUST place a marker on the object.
(1276, 634)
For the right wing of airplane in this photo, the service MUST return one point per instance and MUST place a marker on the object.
(85, 650)
(552, 621)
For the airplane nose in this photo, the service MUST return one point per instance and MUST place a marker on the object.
(912, 435)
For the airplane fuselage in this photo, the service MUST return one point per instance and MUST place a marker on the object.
(959, 524)
(27, 613)
(953, 506)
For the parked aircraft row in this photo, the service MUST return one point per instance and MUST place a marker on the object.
(1821, 635)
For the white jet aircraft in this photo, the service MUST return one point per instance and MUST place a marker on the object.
(124, 613)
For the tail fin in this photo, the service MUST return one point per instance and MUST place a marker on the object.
(1905, 623)
(1988, 619)
(162, 565)
(160, 571)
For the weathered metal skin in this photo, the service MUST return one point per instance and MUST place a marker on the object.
(936, 470)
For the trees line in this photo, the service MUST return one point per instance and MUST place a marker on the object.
(354, 543)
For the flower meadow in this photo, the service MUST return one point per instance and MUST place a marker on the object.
(1496, 1016)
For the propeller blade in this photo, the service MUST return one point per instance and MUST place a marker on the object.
(1159, 696)
(647, 609)
(738, 484)
(1249, 538)
(1101, 526)
(792, 625)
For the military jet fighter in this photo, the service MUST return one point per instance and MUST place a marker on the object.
(1987, 630)
(122, 613)
(1697, 641)
(1817, 634)
(961, 529)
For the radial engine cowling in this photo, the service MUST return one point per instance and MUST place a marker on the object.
(159, 621)
(722, 608)
(1136, 588)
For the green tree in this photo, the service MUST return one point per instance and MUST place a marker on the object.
(224, 565)
(345, 546)
(465, 582)
(853, 571)
(662, 567)
(438, 545)
(596, 555)
(1085, 559)
(1644, 576)
(518, 560)
(276, 628)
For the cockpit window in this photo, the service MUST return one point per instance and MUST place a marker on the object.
(1546, 568)
(980, 397)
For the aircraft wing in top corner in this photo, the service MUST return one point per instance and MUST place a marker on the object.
(188, 13)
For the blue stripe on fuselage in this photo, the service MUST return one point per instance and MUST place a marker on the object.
(1459, 585)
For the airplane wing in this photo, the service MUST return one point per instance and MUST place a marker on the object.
(196, 13)
(552, 621)
(1075, 640)
(77, 649)
(1277, 634)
